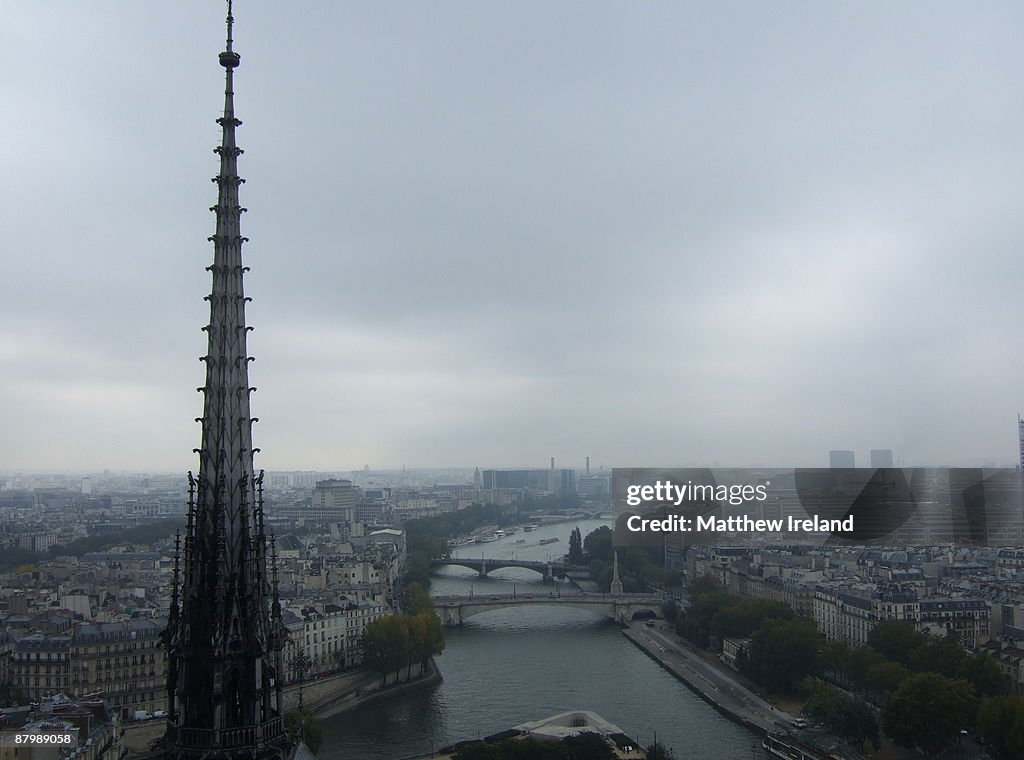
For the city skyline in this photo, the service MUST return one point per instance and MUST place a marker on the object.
(486, 236)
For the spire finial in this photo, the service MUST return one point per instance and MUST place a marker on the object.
(229, 58)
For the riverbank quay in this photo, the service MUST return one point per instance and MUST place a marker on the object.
(717, 686)
(363, 690)
(730, 698)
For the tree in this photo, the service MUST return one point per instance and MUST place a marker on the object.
(385, 645)
(575, 547)
(415, 628)
(782, 652)
(415, 599)
(859, 662)
(670, 609)
(857, 724)
(312, 734)
(512, 749)
(1001, 722)
(895, 640)
(704, 584)
(426, 638)
(885, 677)
(745, 616)
(844, 715)
(587, 746)
(374, 648)
(834, 655)
(695, 625)
(598, 544)
(417, 567)
(927, 712)
(944, 656)
(983, 673)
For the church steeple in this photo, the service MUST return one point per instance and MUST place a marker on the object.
(225, 632)
(616, 585)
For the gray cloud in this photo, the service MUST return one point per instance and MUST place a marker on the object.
(491, 233)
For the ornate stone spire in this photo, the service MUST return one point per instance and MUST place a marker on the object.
(225, 632)
(616, 585)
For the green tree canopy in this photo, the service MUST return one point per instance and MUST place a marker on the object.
(859, 662)
(426, 636)
(927, 712)
(585, 746)
(703, 584)
(744, 616)
(415, 599)
(885, 677)
(834, 657)
(576, 547)
(983, 673)
(598, 544)
(944, 656)
(1001, 723)
(385, 645)
(844, 715)
(895, 640)
(783, 652)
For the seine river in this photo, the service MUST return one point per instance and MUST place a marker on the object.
(509, 666)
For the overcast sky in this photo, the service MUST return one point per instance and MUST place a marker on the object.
(487, 233)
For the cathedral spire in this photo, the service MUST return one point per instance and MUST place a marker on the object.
(224, 630)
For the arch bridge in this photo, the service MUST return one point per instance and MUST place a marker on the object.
(455, 610)
(550, 570)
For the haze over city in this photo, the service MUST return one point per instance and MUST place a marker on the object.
(489, 234)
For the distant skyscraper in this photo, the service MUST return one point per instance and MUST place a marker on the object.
(334, 501)
(560, 482)
(225, 633)
(841, 459)
(1020, 442)
(881, 458)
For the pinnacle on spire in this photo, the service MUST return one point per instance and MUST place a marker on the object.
(229, 59)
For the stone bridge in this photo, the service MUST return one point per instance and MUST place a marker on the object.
(455, 610)
(550, 570)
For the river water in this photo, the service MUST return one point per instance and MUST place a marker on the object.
(514, 665)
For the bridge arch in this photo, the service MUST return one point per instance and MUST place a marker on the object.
(485, 566)
(454, 611)
(468, 564)
(644, 613)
